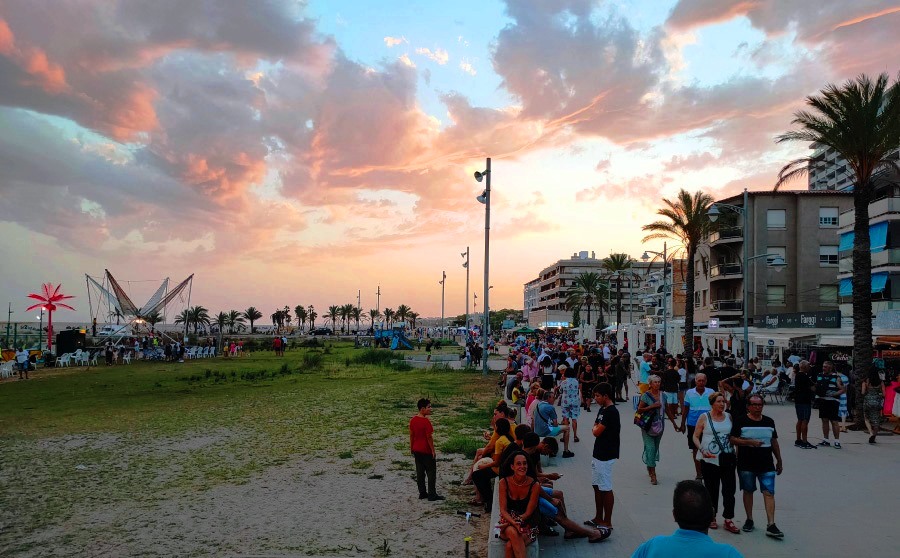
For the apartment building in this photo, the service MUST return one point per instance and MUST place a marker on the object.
(833, 172)
(640, 290)
(799, 226)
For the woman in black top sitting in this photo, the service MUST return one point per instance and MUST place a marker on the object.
(519, 495)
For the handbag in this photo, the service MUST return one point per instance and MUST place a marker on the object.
(728, 450)
(657, 423)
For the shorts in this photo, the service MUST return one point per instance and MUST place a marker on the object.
(555, 431)
(601, 474)
(670, 397)
(804, 411)
(828, 410)
(690, 435)
(766, 481)
(546, 507)
(571, 412)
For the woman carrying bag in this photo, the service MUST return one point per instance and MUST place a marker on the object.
(717, 459)
(651, 430)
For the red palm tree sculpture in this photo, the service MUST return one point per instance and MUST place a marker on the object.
(50, 301)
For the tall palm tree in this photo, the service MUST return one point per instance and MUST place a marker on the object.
(153, 318)
(234, 318)
(689, 223)
(586, 290)
(413, 316)
(374, 315)
(334, 312)
(300, 312)
(184, 318)
(221, 320)
(286, 315)
(860, 120)
(402, 312)
(199, 316)
(346, 311)
(311, 316)
(356, 314)
(252, 314)
(388, 317)
(616, 263)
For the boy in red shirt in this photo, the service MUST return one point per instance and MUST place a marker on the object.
(421, 443)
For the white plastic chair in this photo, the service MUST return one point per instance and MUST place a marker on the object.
(94, 358)
(63, 359)
(7, 369)
(126, 357)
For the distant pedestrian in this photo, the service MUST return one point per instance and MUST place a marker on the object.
(421, 444)
(22, 362)
(829, 389)
(804, 391)
(652, 402)
(873, 402)
(692, 511)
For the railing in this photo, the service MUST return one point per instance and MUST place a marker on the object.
(889, 204)
(727, 305)
(725, 269)
(731, 233)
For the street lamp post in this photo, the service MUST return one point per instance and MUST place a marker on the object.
(443, 282)
(777, 263)
(41, 328)
(665, 303)
(485, 198)
(466, 265)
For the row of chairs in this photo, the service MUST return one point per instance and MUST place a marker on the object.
(8, 369)
(78, 358)
(200, 352)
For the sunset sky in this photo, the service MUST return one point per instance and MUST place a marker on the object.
(292, 152)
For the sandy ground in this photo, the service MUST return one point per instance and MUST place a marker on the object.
(309, 506)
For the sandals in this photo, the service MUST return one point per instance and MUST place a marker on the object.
(653, 480)
(731, 527)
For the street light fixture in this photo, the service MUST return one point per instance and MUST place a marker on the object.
(466, 266)
(777, 262)
(485, 198)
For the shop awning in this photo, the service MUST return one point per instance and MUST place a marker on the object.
(836, 340)
(878, 236)
(879, 282)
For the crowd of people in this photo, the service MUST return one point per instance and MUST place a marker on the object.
(716, 403)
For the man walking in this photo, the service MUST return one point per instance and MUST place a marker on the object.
(421, 443)
(644, 369)
(803, 395)
(693, 513)
(829, 389)
(756, 440)
(607, 427)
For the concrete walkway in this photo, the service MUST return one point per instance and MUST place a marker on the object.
(829, 502)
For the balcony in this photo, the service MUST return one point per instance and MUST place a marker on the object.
(876, 208)
(727, 307)
(725, 271)
(732, 234)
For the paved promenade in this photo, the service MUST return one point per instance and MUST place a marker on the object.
(829, 502)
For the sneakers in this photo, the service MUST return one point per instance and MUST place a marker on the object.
(799, 444)
(748, 526)
(568, 454)
(837, 445)
(774, 532)
(435, 497)
(824, 444)
(807, 445)
(423, 496)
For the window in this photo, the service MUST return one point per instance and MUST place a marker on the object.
(776, 219)
(696, 300)
(775, 295)
(776, 251)
(704, 297)
(828, 217)
(828, 255)
(828, 295)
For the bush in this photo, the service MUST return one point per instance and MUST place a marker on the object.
(312, 361)
(375, 356)
(461, 443)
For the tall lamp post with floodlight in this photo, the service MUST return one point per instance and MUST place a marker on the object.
(466, 266)
(485, 198)
(777, 262)
(443, 282)
(665, 302)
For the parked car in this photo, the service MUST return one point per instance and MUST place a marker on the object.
(321, 331)
(108, 330)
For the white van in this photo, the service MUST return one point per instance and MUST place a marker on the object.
(109, 330)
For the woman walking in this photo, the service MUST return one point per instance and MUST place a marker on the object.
(717, 459)
(571, 400)
(588, 379)
(651, 401)
(873, 402)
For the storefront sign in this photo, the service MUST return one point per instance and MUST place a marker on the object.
(713, 323)
(890, 354)
(810, 320)
(839, 356)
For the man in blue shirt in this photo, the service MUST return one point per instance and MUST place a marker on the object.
(693, 512)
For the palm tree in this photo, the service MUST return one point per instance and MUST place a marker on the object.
(252, 314)
(153, 318)
(614, 264)
(388, 316)
(374, 315)
(356, 314)
(50, 299)
(234, 318)
(311, 316)
(286, 315)
(333, 312)
(300, 312)
(413, 316)
(117, 313)
(345, 311)
(688, 222)
(860, 120)
(184, 318)
(402, 312)
(199, 316)
(221, 321)
(587, 289)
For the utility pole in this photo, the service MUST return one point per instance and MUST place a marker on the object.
(466, 265)
(443, 288)
(358, 299)
(8, 320)
(378, 300)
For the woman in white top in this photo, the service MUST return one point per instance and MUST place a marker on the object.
(717, 459)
